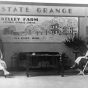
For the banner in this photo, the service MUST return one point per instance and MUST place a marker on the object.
(37, 28)
(26, 10)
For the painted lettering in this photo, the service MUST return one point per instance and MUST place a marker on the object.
(15, 10)
(54, 10)
(21, 8)
(9, 19)
(64, 10)
(30, 19)
(27, 9)
(70, 10)
(45, 10)
(51, 11)
(3, 9)
(38, 10)
(58, 10)
(9, 9)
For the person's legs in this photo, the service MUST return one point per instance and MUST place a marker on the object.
(3, 68)
(6, 72)
(82, 62)
(78, 59)
(76, 62)
(75, 66)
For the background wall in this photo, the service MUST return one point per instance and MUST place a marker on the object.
(10, 48)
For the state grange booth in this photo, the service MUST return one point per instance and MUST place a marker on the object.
(40, 27)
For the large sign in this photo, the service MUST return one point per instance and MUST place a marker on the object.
(37, 28)
(41, 10)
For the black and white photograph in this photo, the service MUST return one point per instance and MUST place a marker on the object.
(43, 44)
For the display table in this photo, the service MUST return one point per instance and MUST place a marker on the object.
(34, 59)
(46, 57)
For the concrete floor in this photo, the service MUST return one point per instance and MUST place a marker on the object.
(44, 80)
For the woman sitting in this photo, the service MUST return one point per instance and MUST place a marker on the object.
(3, 65)
(81, 61)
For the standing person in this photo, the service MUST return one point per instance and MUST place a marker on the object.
(3, 65)
(81, 61)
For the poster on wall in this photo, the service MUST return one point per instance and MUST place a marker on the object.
(37, 28)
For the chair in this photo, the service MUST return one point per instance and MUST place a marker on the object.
(85, 66)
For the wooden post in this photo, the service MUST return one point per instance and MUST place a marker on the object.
(62, 65)
(27, 65)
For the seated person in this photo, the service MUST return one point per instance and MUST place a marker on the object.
(80, 61)
(3, 65)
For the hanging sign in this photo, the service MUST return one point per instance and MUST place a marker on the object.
(6, 9)
(37, 29)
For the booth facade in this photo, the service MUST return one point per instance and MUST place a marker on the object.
(40, 27)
